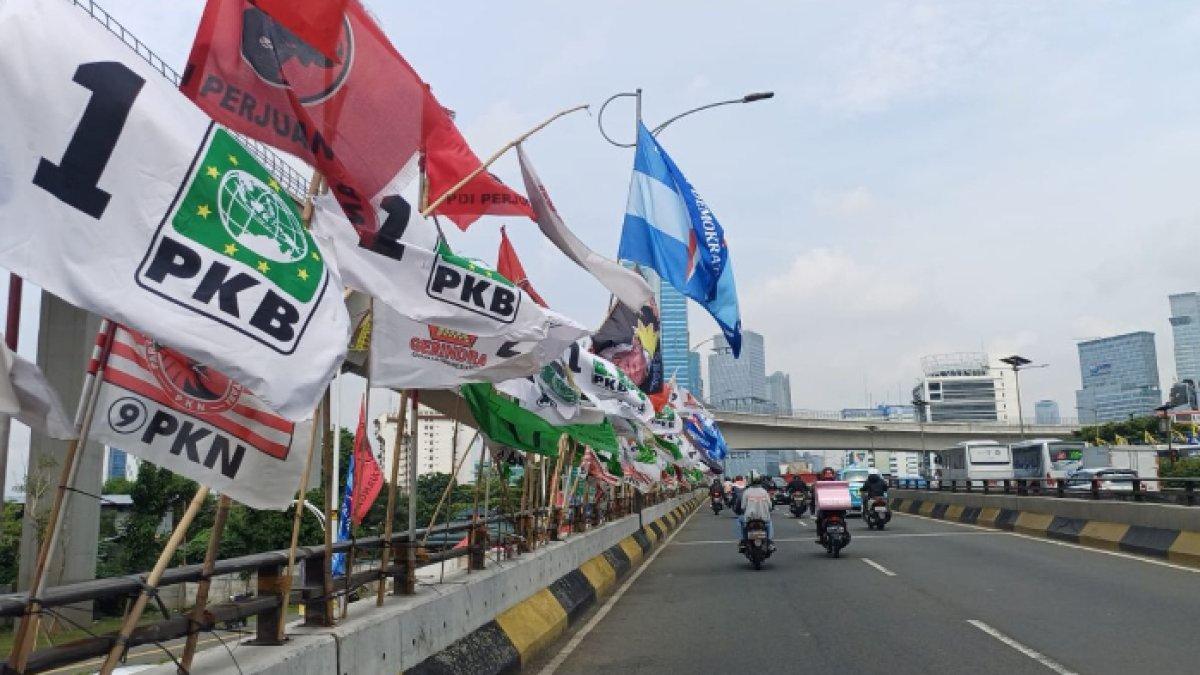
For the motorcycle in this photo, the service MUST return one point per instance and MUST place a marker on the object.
(798, 505)
(835, 536)
(757, 545)
(876, 514)
(717, 504)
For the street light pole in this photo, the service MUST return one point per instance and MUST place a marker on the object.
(637, 95)
(1017, 363)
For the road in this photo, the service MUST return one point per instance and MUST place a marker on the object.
(923, 596)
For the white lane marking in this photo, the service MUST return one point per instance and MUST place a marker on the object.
(563, 655)
(879, 567)
(893, 535)
(1031, 653)
(1067, 544)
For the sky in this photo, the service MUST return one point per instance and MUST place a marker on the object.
(930, 177)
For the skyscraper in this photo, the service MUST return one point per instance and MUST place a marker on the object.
(779, 392)
(739, 384)
(1046, 412)
(1119, 378)
(962, 387)
(1185, 328)
(694, 378)
(673, 312)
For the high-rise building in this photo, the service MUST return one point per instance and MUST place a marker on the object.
(1185, 328)
(673, 313)
(779, 392)
(436, 451)
(118, 464)
(694, 378)
(1046, 412)
(739, 384)
(963, 387)
(1119, 378)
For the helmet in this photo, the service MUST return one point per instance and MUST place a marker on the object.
(766, 482)
(828, 472)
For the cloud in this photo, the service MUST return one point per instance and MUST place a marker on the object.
(849, 203)
(827, 282)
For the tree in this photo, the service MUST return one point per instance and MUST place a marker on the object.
(117, 486)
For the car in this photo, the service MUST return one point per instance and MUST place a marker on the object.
(1081, 480)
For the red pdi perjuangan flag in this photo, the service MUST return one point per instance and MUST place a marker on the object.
(509, 266)
(368, 477)
(318, 23)
(356, 119)
(448, 159)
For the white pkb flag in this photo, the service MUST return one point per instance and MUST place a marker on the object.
(27, 396)
(167, 409)
(625, 284)
(122, 198)
(608, 386)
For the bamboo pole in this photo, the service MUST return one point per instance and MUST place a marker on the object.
(150, 586)
(210, 559)
(558, 462)
(495, 156)
(449, 486)
(414, 446)
(332, 504)
(291, 564)
(389, 519)
(26, 634)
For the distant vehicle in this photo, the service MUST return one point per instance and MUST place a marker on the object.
(855, 475)
(977, 461)
(1140, 458)
(1081, 481)
(1048, 459)
(912, 482)
(780, 494)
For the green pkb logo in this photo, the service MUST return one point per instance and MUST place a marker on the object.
(234, 248)
(473, 287)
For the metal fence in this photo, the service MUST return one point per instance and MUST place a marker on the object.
(1182, 491)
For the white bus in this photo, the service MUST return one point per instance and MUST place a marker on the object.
(976, 461)
(1048, 459)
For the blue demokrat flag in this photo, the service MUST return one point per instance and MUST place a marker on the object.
(670, 229)
(703, 432)
(338, 564)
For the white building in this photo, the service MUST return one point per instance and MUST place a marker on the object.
(435, 445)
(966, 387)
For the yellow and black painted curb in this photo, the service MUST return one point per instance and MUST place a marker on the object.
(505, 643)
(1179, 546)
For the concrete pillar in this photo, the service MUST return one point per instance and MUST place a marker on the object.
(65, 338)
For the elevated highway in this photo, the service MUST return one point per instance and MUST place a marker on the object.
(745, 431)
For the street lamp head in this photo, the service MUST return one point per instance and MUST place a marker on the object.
(758, 96)
(1016, 361)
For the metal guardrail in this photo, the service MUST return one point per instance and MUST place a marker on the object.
(289, 178)
(836, 416)
(1164, 490)
(529, 527)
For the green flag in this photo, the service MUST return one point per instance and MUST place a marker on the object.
(505, 422)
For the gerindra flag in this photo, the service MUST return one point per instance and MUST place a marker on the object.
(366, 476)
(170, 410)
(357, 118)
(670, 229)
(448, 160)
(123, 199)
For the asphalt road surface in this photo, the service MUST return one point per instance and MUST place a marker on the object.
(923, 596)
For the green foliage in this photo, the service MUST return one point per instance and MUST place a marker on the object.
(1134, 431)
(117, 486)
(1184, 468)
(10, 541)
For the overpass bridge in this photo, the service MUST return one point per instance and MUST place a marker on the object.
(817, 431)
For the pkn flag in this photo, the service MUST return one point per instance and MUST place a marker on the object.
(125, 200)
(170, 410)
(357, 118)
(629, 287)
(669, 228)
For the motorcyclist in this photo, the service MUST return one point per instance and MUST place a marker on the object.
(875, 486)
(739, 487)
(716, 490)
(827, 474)
(797, 484)
(756, 504)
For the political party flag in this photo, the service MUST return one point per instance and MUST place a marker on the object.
(151, 215)
(551, 395)
(669, 228)
(345, 520)
(28, 397)
(504, 422)
(317, 23)
(510, 267)
(407, 353)
(607, 385)
(591, 465)
(631, 340)
(448, 159)
(432, 286)
(356, 118)
(366, 474)
(629, 287)
(170, 410)
(704, 433)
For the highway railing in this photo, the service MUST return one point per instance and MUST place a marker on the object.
(1182, 491)
(428, 546)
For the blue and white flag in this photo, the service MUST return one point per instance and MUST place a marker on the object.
(703, 432)
(670, 229)
(338, 563)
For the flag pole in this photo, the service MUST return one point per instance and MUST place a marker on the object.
(410, 553)
(210, 559)
(26, 634)
(390, 518)
(328, 464)
(150, 586)
(286, 591)
(495, 156)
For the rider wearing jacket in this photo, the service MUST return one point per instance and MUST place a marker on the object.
(875, 486)
(827, 474)
(755, 504)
